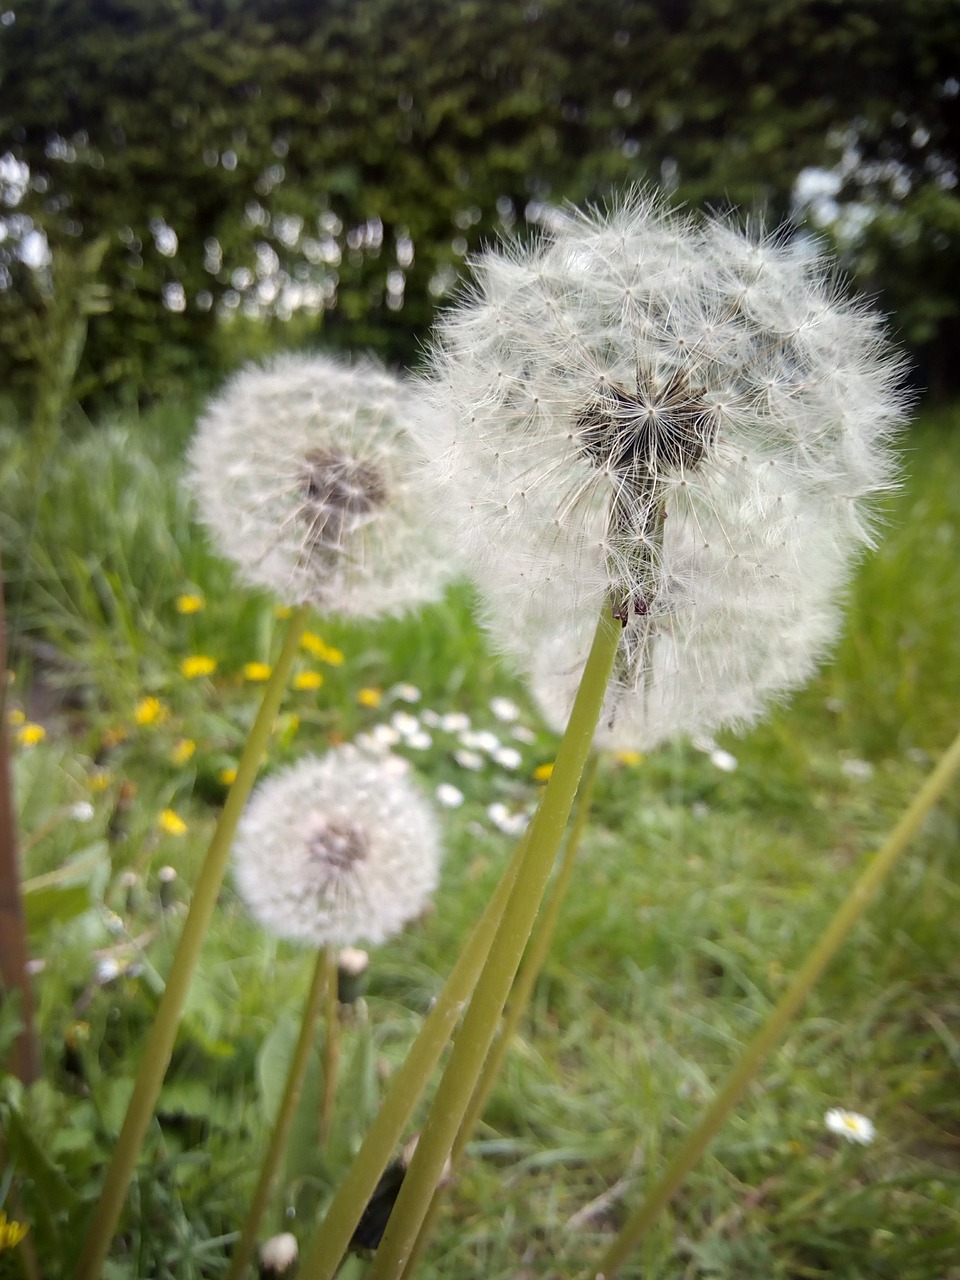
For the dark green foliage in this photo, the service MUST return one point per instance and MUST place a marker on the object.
(224, 120)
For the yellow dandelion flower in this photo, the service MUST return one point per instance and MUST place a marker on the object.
(369, 697)
(321, 650)
(11, 1231)
(307, 680)
(28, 735)
(543, 771)
(182, 752)
(190, 604)
(628, 757)
(99, 779)
(197, 664)
(150, 711)
(228, 777)
(257, 671)
(171, 823)
(282, 611)
(16, 716)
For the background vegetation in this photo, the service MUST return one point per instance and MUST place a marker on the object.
(213, 180)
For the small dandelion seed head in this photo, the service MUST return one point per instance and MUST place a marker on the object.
(307, 479)
(681, 417)
(337, 850)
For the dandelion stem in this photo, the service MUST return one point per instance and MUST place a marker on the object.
(846, 916)
(281, 1129)
(331, 1051)
(322, 1260)
(482, 1018)
(156, 1056)
(533, 961)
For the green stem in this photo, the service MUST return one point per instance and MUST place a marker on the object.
(331, 1050)
(156, 1056)
(408, 1082)
(847, 915)
(479, 1026)
(533, 961)
(281, 1129)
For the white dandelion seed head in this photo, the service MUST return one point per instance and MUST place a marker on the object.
(850, 1125)
(680, 416)
(306, 478)
(337, 850)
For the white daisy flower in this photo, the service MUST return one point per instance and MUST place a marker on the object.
(449, 796)
(337, 850)
(850, 1125)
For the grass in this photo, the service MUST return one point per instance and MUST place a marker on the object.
(698, 893)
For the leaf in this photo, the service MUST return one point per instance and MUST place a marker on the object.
(55, 905)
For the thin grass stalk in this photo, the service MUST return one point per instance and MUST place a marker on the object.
(156, 1056)
(832, 938)
(479, 1026)
(288, 1107)
(533, 962)
(14, 949)
(331, 1048)
(322, 1260)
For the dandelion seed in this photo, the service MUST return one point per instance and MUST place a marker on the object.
(196, 665)
(303, 472)
(190, 604)
(307, 680)
(850, 1125)
(337, 851)
(256, 672)
(171, 824)
(449, 796)
(673, 418)
(149, 711)
(28, 734)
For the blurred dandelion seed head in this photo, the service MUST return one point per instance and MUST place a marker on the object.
(337, 850)
(305, 476)
(676, 415)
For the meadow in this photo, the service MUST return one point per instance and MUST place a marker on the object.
(705, 874)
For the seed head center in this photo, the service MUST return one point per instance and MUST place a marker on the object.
(339, 494)
(335, 845)
(666, 427)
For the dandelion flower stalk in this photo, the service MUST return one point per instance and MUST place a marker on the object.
(331, 1044)
(331, 851)
(533, 962)
(823, 952)
(296, 1074)
(322, 1260)
(159, 1047)
(472, 1042)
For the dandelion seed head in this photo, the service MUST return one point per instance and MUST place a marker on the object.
(680, 416)
(304, 474)
(337, 850)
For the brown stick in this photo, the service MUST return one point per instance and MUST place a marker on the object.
(25, 1061)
